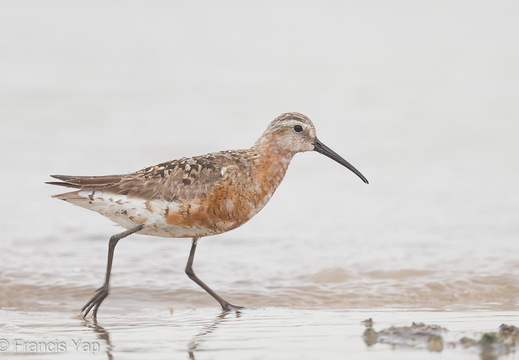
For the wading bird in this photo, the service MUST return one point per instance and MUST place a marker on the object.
(197, 196)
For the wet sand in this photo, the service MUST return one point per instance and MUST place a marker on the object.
(262, 333)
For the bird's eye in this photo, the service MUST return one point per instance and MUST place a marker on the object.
(298, 128)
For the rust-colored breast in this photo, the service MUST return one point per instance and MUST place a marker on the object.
(234, 200)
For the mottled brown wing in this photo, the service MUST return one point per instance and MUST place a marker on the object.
(181, 179)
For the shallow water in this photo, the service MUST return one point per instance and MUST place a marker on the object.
(271, 333)
(420, 97)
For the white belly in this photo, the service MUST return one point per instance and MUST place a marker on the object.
(130, 212)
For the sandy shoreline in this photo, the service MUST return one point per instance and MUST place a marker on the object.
(263, 333)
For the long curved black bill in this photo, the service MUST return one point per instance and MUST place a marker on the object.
(325, 150)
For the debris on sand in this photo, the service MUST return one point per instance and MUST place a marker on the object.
(418, 335)
(509, 334)
(490, 346)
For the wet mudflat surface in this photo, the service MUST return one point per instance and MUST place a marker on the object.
(262, 333)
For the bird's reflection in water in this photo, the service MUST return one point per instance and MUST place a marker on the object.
(192, 346)
(195, 342)
(102, 334)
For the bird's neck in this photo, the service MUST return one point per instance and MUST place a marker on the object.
(271, 165)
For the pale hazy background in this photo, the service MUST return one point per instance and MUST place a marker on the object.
(421, 96)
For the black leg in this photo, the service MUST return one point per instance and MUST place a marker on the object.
(102, 292)
(189, 271)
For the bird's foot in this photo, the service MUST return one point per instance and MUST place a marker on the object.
(94, 303)
(229, 307)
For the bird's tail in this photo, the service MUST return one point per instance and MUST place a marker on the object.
(85, 182)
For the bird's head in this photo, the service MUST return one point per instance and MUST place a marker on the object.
(293, 132)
